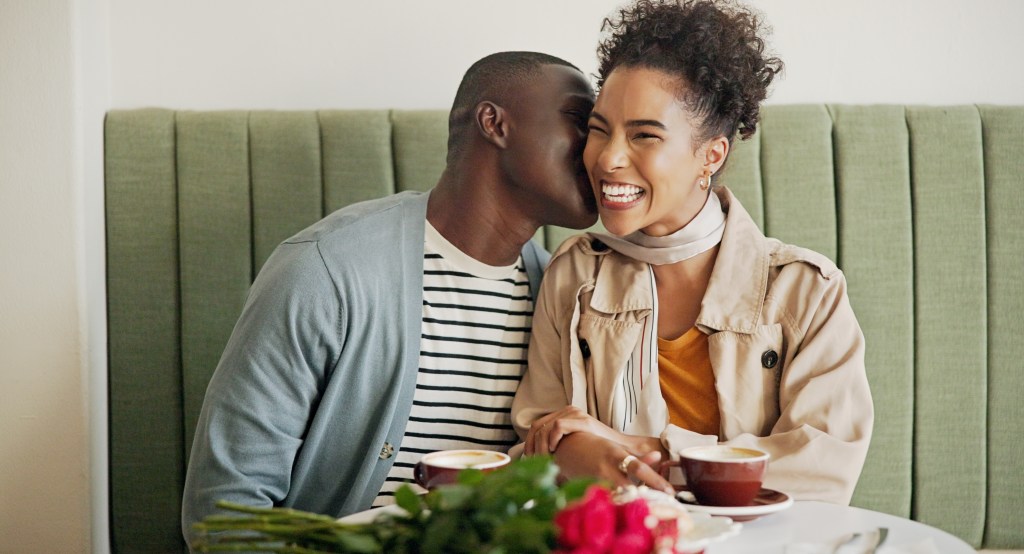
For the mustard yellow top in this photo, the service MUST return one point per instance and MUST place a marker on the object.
(688, 382)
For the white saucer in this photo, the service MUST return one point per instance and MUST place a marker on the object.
(706, 530)
(368, 516)
(768, 501)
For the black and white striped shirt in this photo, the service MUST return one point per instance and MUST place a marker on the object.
(476, 328)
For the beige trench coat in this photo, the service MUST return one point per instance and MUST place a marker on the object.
(785, 347)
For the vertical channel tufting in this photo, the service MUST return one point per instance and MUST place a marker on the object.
(1004, 198)
(742, 174)
(872, 176)
(950, 317)
(796, 168)
(147, 467)
(420, 143)
(357, 156)
(215, 234)
(287, 194)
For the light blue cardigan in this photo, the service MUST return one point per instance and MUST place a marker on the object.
(320, 370)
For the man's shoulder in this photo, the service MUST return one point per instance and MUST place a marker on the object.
(361, 220)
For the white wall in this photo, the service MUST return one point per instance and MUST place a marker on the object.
(63, 63)
(267, 54)
(44, 346)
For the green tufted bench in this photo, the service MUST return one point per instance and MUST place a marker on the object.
(922, 207)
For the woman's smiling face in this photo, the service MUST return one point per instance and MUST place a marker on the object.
(640, 154)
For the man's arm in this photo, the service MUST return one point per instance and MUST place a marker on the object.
(268, 382)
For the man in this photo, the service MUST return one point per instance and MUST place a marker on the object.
(399, 326)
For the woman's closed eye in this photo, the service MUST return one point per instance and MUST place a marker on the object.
(646, 137)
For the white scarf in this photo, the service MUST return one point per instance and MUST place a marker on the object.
(701, 234)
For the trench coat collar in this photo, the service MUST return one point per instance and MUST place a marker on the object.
(622, 284)
(736, 291)
(739, 281)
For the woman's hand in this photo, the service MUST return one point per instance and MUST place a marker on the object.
(545, 433)
(583, 454)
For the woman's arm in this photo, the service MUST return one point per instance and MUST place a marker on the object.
(543, 389)
(547, 432)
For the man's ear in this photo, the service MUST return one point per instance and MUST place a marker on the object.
(715, 152)
(492, 122)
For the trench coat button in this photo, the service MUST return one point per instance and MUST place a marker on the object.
(387, 451)
(598, 246)
(584, 348)
(769, 359)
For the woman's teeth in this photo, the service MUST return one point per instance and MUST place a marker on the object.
(621, 193)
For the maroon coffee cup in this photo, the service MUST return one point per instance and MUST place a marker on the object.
(723, 475)
(442, 467)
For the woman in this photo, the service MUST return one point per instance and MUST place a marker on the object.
(685, 326)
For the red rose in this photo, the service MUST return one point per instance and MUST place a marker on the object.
(633, 543)
(570, 529)
(596, 525)
(589, 523)
(633, 536)
(665, 535)
(632, 516)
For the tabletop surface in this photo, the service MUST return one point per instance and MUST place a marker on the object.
(804, 522)
(819, 522)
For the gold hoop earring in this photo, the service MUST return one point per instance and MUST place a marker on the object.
(704, 184)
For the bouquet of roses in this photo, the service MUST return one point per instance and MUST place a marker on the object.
(519, 508)
(633, 520)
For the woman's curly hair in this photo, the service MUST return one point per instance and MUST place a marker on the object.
(712, 46)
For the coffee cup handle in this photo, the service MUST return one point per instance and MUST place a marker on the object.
(418, 475)
(665, 467)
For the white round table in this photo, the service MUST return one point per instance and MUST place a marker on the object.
(819, 522)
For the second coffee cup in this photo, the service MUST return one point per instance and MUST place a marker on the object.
(723, 475)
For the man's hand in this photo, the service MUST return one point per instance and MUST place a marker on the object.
(583, 454)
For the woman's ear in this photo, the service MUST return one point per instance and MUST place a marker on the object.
(715, 152)
(492, 122)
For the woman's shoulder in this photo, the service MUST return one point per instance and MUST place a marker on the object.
(580, 258)
(782, 255)
(799, 277)
(583, 244)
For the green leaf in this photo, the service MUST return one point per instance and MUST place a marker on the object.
(575, 488)
(526, 534)
(361, 544)
(408, 500)
(470, 476)
(449, 497)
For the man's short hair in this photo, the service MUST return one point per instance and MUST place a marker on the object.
(494, 77)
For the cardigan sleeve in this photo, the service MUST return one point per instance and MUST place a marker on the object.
(266, 385)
